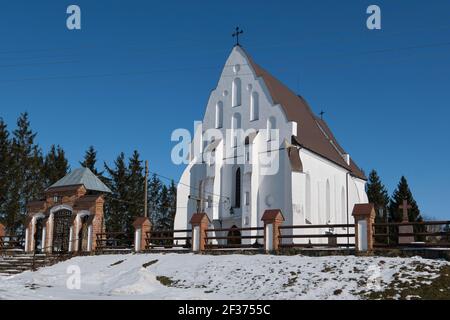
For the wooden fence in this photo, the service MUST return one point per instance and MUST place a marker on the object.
(168, 239)
(9, 244)
(419, 234)
(114, 241)
(294, 237)
(232, 238)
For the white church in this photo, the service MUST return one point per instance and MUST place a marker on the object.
(261, 147)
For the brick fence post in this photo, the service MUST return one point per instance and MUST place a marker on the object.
(200, 223)
(142, 226)
(364, 215)
(272, 221)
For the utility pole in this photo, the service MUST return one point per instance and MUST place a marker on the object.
(146, 189)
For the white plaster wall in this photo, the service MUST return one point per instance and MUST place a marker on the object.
(285, 188)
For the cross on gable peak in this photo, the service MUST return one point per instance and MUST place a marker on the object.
(236, 34)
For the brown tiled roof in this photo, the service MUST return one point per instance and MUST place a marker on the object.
(90, 197)
(310, 135)
(272, 214)
(139, 221)
(294, 158)
(363, 209)
(198, 217)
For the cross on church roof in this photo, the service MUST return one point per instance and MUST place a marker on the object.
(236, 35)
(321, 114)
(405, 206)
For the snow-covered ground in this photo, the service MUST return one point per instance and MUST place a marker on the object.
(189, 276)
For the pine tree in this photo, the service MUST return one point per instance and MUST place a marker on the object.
(167, 206)
(90, 160)
(5, 146)
(378, 195)
(135, 188)
(116, 206)
(25, 174)
(154, 201)
(164, 209)
(55, 165)
(172, 203)
(401, 193)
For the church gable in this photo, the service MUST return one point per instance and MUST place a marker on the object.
(242, 100)
(247, 96)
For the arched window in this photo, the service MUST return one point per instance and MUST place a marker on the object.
(271, 125)
(308, 200)
(235, 125)
(236, 92)
(236, 121)
(254, 106)
(237, 189)
(328, 202)
(219, 114)
(343, 205)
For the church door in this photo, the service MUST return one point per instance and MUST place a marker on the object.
(236, 234)
(61, 230)
(83, 235)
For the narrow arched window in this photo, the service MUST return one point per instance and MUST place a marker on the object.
(308, 214)
(237, 189)
(343, 206)
(236, 121)
(254, 106)
(236, 92)
(328, 202)
(271, 126)
(235, 126)
(219, 114)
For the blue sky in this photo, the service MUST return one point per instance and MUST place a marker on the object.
(140, 69)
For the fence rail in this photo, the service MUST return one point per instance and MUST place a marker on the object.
(167, 239)
(114, 241)
(233, 238)
(389, 234)
(12, 243)
(331, 236)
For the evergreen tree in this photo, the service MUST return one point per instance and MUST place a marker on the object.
(401, 193)
(90, 160)
(172, 204)
(4, 167)
(136, 180)
(116, 206)
(25, 174)
(167, 206)
(56, 165)
(164, 209)
(154, 201)
(378, 195)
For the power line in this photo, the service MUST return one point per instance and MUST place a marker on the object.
(62, 77)
(170, 70)
(37, 64)
(189, 186)
(140, 204)
(194, 43)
